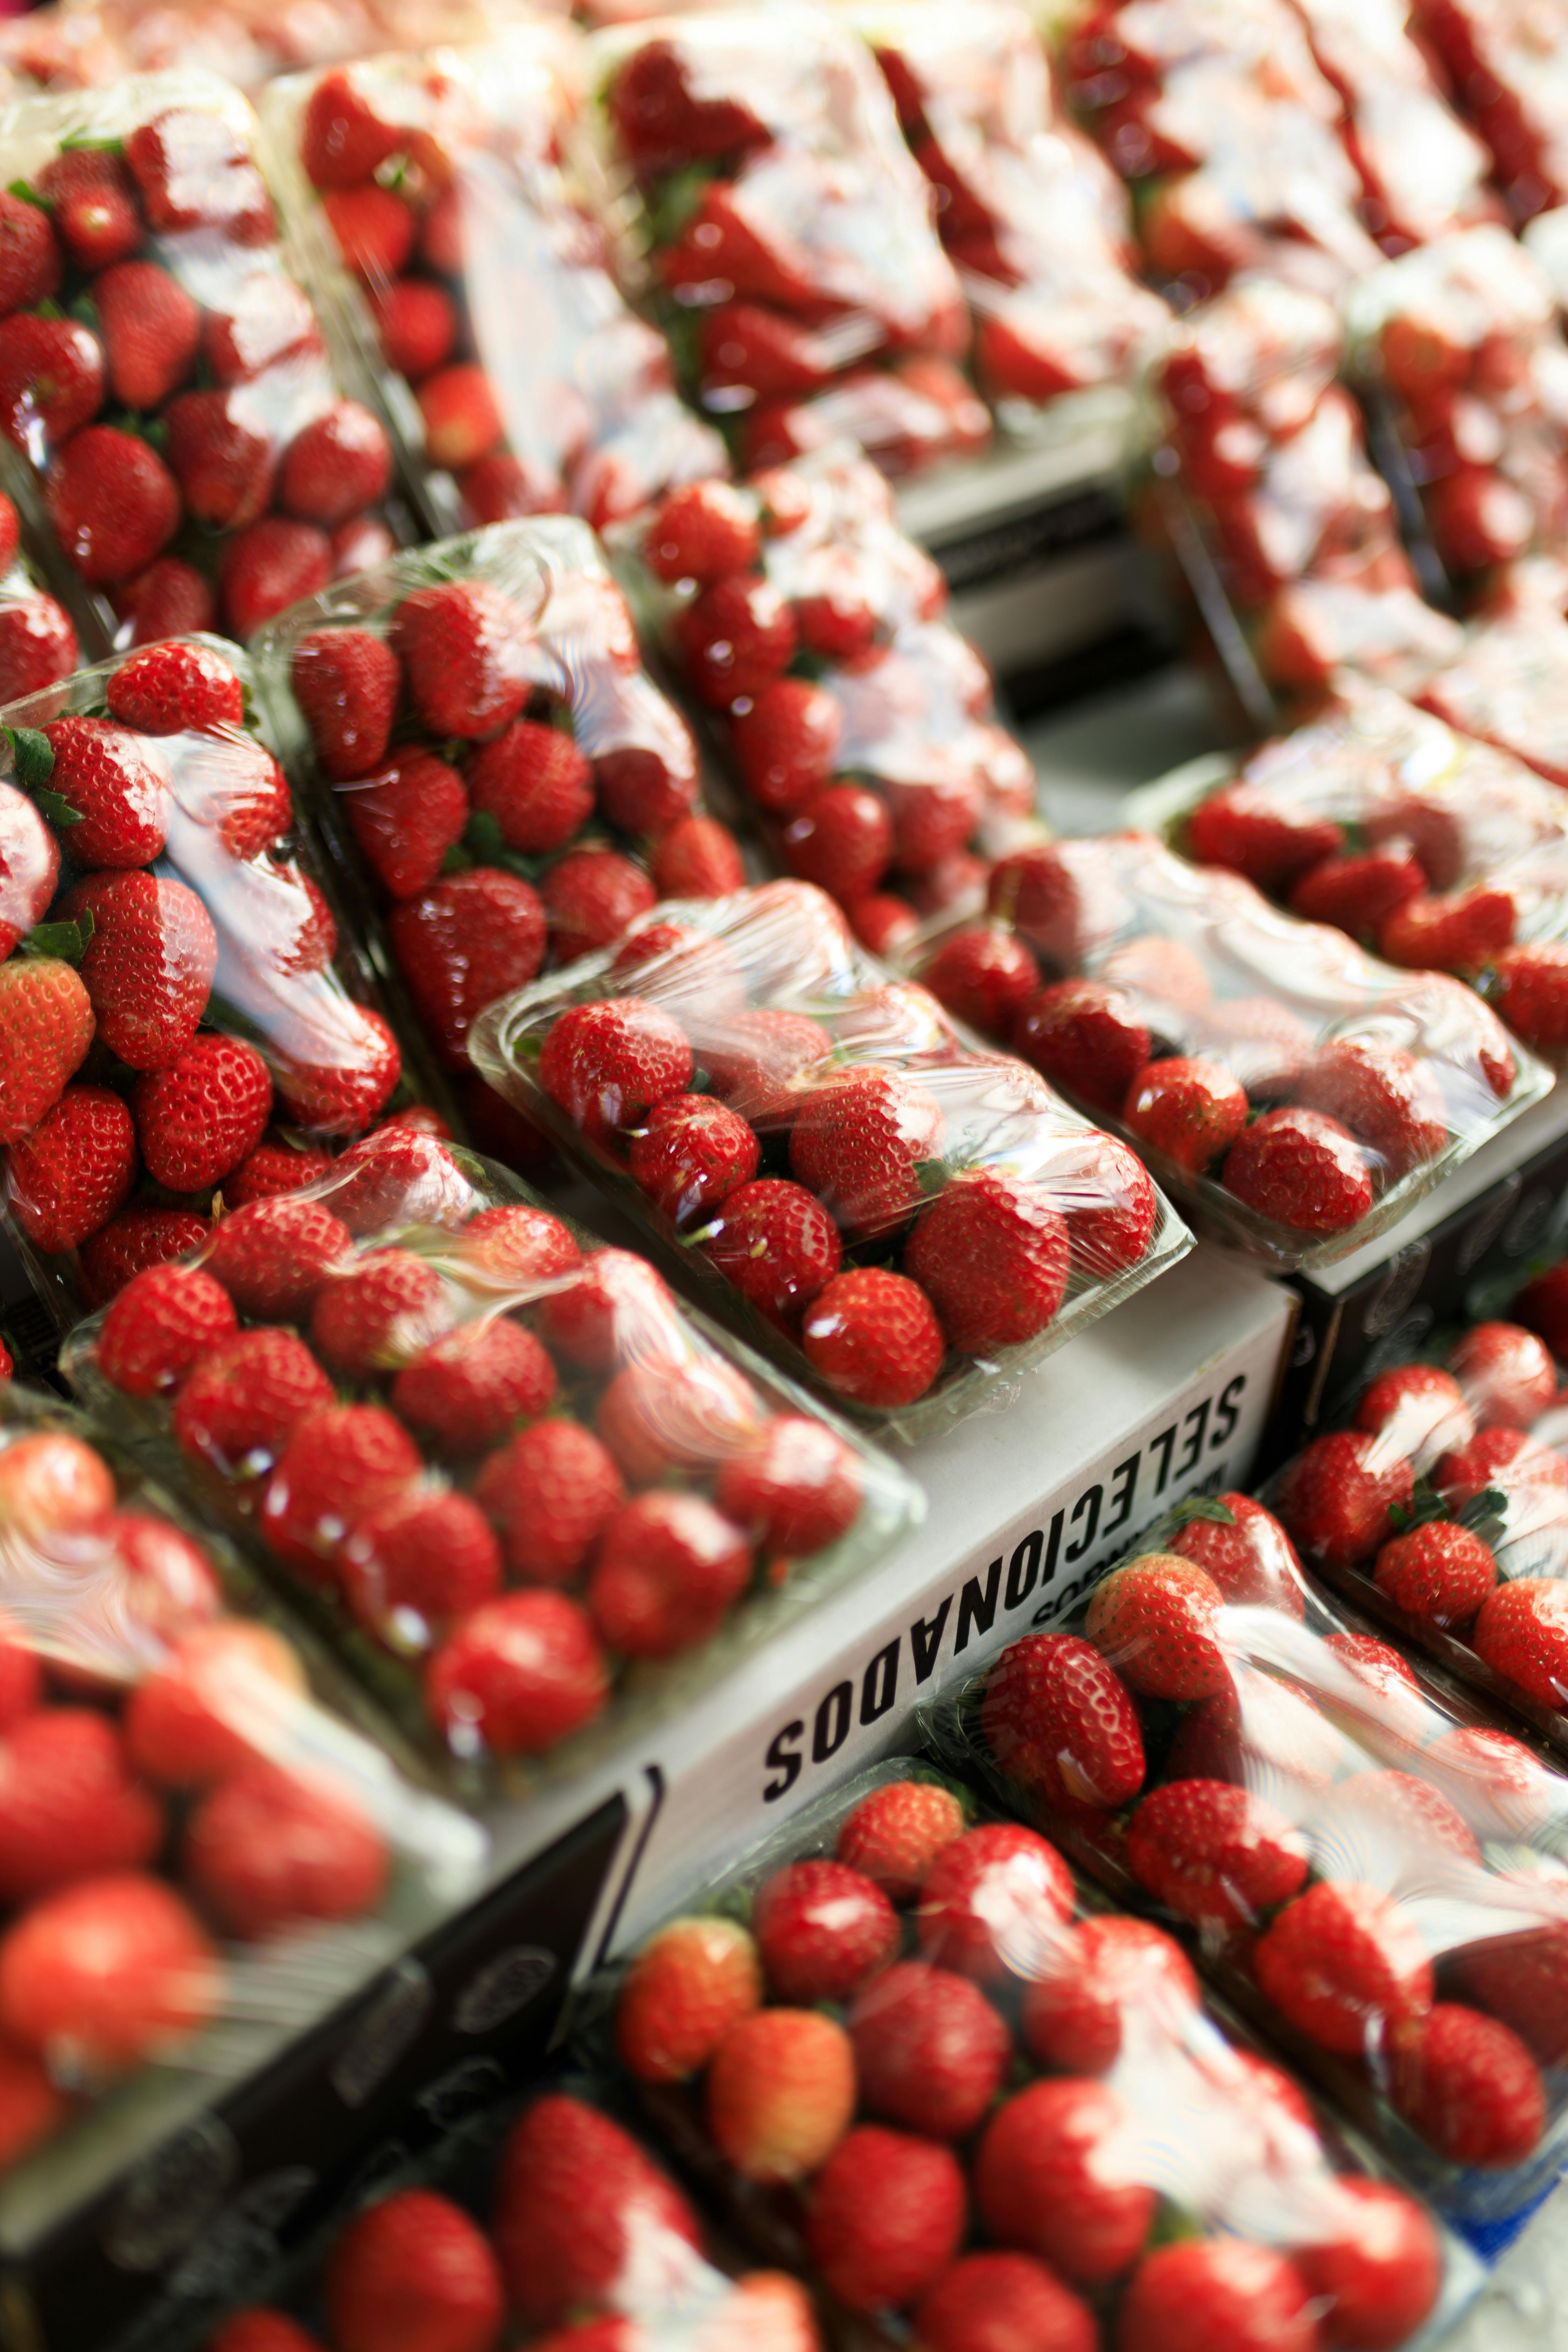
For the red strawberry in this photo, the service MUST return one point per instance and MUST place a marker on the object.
(931, 822)
(417, 327)
(149, 964)
(988, 2303)
(1530, 994)
(267, 319)
(518, 1674)
(735, 638)
(499, 487)
(417, 1563)
(1192, 1110)
(519, 1245)
(168, 599)
(1214, 1853)
(202, 1113)
(224, 464)
(1339, 1496)
(68, 1804)
(261, 2330)
(608, 1063)
(755, 1060)
(406, 817)
(886, 924)
(992, 1254)
(336, 1075)
(1420, 1411)
(857, 1142)
(37, 647)
(536, 785)
(874, 1337)
(989, 1900)
(70, 1175)
(94, 214)
(1244, 827)
(1359, 893)
(842, 840)
(266, 1851)
(563, 2166)
(1468, 2086)
(797, 1489)
(1542, 1306)
(609, 1312)
(134, 1240)
(465, 650)
(1382, 2276)
(658, 112)
(1373, 1662)
(223, 1689)
(461, 944)
(51, 380)
(697, 858)
(1522, 1633)
(1346, 1967)
(383, 1311)
(1108, 1985)
(338, 465)
(339, 1465)
(646, 787)
(273, 564)
(680, 1996)
(785, 741)
(691, 1152)
(550, 1492)
(46, 1027)
(700, 531)
(896, 1832)
(273, 1256)
(29, 259)
(252, 798)
(195, 170)
(119, 788)
(781, 2094)
(373, 230)
(1157, 1621)
(1217, 2295)
(1060, 1724)
(666, 1573)
(986, 977)
(1251, 1559)
(1437, 1572)
(1463, 931)
(590, 898)
(347, 683)
(51, 1485)
(886, 2217)
(1043, 2183)
(274, 1166)
(822, 1930)
(719, 248)
(342, 139)
(1505, 1374)
(742, 343)
(1260, 1734)
(1497, 1458)
(931, 2051)
(1391, 1102)
(415, 2273)
(171, 1588)
(241, 1400)
(171, 688)
(462, 417)
(467, 1390)
(777, 1242)
(110, 1971)
(1301, 1169)
(159, 1325)
(659, 1416)
(151, 329)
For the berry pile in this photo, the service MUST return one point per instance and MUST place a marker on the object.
(856, 719)
(805, 293)
(37, 639)
(487, 745)
(163, 373)
(512, 1465)
(981, 2103)
(590, 2245)
(1281, 1080)
(1511, 84)
(884, 1198)
(162, 1787)
(172, 978)
(1367, 1872)
(563, 400)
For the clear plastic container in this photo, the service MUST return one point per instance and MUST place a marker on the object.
(437, 196)
(175, 431)
(37, 639)
(887, 1209)
(1295, 1094)
(530, 1501)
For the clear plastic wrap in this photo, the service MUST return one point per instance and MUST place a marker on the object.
(1364, 1864)
(1295, 1094)
(1509, 68)
(200, 1853)
(1509, 687)
(945, 1219)
(170, 420)
(491, 764)
(788, 232)
(175, 981)
(853, 716)
(435, 193)
(522, 1492)
(908, 2053)
(37, 640)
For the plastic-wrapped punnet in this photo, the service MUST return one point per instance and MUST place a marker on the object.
(171, 418)
(175, 980)
(909, 2055)
(510, 1474)
(1443, 852)
(1506, 61)
(888, 1207)
(853, 715)
(199, 1854)
(1289, 1089)
(788, 232)
(519, 380)
(1364, 1862)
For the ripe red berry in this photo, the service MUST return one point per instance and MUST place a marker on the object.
(794, 1489)
(1347, 1967)
(989, 1899)
(158, 1326)
(666, 1571)
(1301, 1169)
(1470, 2086)
(1252, 1560)
(107, 1973)
(1382, 2276)
(1505, 1373)
(267, 1852)
(1107, 1986)
(421, 1560)
(692, 1151)
(1193, 1110)
(273, 1257)
(1060, 1724)
(681, 1994)
(822, 1929)
(886, 2217)
(1339, 1497)
(780, 2092)
(735, 638)
(896, 1832)
(1042, 2181)
(874, 1337)
(415, 2273)
(990, 2302)
(992, 1254)
(1214, 1853)
(700, 531)
(242, 1397)
(776, 1244)
(608, 1063)
(931, 2051)
(517, 1675)
(339, 1465)
(1157, 1621)
(1218, 2294)
(549, 1492)
(70, 1805)
(469, 1388)
(1084, 1036)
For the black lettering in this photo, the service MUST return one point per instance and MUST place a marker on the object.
(976, 1609)
(1124, 1486)
(1023, 1569)
(784, 1758)
(1089, 1503)
(1190, 1453)
(1226, 1411)
(880, 1684)
(831, 1729)
(1052, 1549)
(1165, 1439)
(925, 1640)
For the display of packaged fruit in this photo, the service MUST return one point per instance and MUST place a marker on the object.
(1443, 852)
(906, 2050)
(1362, 1860)
(787, 234)
(1506, 64)
(38, 641)
(1507, 687)
(1294, 1094)
(852, 716)
(497, 1459)
(886, 1208)
(179, 1013)
(475, 282)
(187, 1789)
(491, 764)
(170, 417)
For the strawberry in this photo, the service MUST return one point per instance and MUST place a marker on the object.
(1505, 1374)
(535, 784)
(134, 1240)
(755, 1060)
(857, 1142)
(172, 688)
(607, 1064)
(68, 1805)
(1542, 1306)
(1218, 2294)
(886, 2217)
(666, 1573)
(46, 1027)
(1302, 1170)
(258, 2329)
(1382, 2278)
(1522, 1633)
(517, 1245)
(1497, 1457)
(1469, 2088)
(223, 1690)
(654, 105)
(822, 1930)
(517, 1675)
(691, 1152)
(1260, 1734)
(107, 1973)
(1214, 1853)
(874, 1337)
(202, 1113)
(785, 741)
(1060, 1724)
(253, 799)
(406, 817)
(718, 249)
(151, 329)
(74, 1170)
(168, 599)
(499, 487)
(242, 1398)
(269, 319)
(931, 2051)
(275, 1166)
(373, 230)
(1339, 1496)
(93, 211)
(992, 1254)
(680, 1996)
(1252, 1559)
(339, 1465)
(224, 464)
(990, 1897)
(194, 170)
(273, 1256)
(1346, 1968)
(781, 2094)
(464, 646)
(700, 531)
(1191, 1109)
(342, 139)
(1436, 1571)
(417, 326)
(796, 1489)
(416, 2272)
(1359, 893)
(1373, 1662)
(148, 965)
(1370, 1812)
(646, 787)
(160, 1323)
(590, 898)
(1418, 1410)
(1530, 994)
(461, 944)
(609, 1312)
(347, 683)
(29, 259)
(338, 464)
(886, 924)
(1157, 1621)
(842, 841)
(417, 1564)
(1390, 1102)
(170, 1586)
(1107, 1985)
(274, 563)
(932, 820)
(565, 2162)
(988, 2303)
(266, 1853)
(1043, 2183)
(1462, 931)
(986, 977)
(357, 1070)
(735, 638)
(896, 1832)
(37, 647)
(383, 1311)
(467, 1389)
(1244, 827)
(461, 416)
(53, 1485)
(119, 788)
(51, 380)
(778, 1245)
